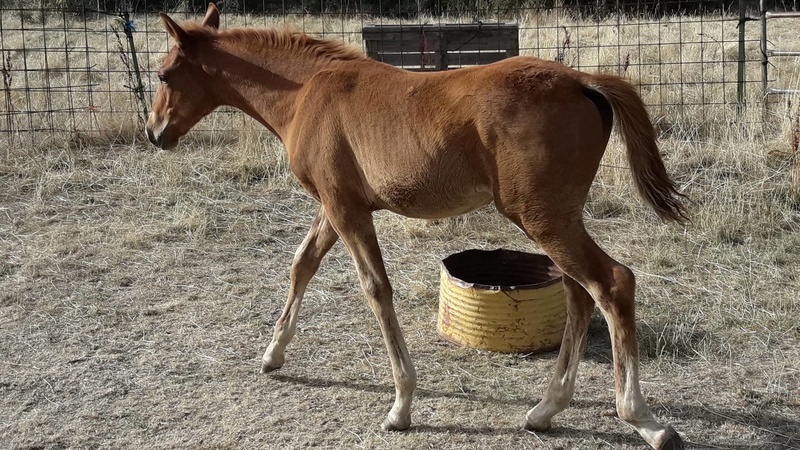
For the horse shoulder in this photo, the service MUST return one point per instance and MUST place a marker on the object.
(318, 151)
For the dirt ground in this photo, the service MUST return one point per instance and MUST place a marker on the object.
(138, 290)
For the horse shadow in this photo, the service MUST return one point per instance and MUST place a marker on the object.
(655, 340)
(763, 421)
(554, 432)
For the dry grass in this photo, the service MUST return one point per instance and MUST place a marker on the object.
(138, 290)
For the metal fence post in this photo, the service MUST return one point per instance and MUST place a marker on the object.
(740, 73)
(764, 58)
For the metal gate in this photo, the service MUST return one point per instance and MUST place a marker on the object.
(767, 53)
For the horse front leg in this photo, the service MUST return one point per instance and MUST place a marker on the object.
(358, 233)
(319, 240)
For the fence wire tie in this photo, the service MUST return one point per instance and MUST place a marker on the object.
(742, 21)
(765, 55)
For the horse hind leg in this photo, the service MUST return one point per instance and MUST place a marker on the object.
(612, 287)
(580, 307)
(615, 296)
(318, 241)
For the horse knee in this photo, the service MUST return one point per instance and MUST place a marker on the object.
(304, 265)
(377, 290)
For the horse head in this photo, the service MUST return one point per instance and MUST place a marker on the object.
(186, 92)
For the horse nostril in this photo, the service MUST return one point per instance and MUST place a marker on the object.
(155, 140)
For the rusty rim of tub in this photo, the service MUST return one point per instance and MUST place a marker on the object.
(500, 270)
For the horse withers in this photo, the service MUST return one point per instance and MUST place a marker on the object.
(362, 136)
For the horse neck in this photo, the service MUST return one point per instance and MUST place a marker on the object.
(264, 83)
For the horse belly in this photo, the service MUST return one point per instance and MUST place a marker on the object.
(435, 200)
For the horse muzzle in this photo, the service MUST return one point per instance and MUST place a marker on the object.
(160, 138)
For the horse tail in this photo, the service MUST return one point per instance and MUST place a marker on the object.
(647, 167)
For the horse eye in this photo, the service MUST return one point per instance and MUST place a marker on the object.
(162, 78)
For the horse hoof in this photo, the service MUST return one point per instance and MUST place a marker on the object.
(534, 426)
(672, 440)
(389, 425)
(267, 369)
(270, 365)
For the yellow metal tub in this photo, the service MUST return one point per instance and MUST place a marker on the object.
(501, 300)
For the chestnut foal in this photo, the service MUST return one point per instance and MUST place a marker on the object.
(362, 136)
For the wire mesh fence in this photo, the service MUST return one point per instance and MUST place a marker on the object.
(85, 72)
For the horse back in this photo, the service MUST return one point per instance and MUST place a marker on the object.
(425, 144)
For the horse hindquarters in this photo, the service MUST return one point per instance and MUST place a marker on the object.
(543, 181)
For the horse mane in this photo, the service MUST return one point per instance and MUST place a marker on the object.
(287, 38)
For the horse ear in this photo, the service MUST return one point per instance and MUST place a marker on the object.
(179, 34)
(212, 17)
